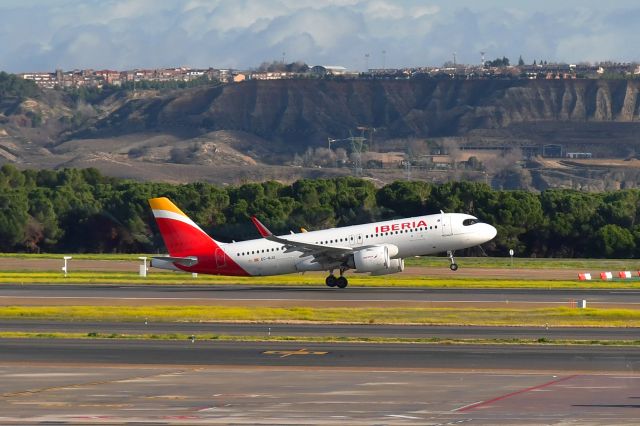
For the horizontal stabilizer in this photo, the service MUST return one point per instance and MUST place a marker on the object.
(182, 261)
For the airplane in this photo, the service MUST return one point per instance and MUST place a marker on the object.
(376, 248)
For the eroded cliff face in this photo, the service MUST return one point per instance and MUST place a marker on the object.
(267, 122)
(306, 112)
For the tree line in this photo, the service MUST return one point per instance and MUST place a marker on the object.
(80, 210)
(12, 86)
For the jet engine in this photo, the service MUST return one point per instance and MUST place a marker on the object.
(395, 266)
(371, 259)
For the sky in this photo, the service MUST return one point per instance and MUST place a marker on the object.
(43, 35)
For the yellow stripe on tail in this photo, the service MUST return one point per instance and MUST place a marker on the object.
(163, 203)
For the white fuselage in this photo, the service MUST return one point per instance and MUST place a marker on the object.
(416, 236)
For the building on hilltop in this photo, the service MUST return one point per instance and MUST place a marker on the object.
(323, 70)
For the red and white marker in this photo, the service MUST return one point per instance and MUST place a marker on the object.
(624, 274)
(606, 275)
(584, 277)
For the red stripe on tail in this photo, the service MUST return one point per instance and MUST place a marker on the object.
(183, 239)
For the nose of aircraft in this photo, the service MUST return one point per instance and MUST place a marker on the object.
(489, 232)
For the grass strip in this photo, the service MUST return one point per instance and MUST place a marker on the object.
(26, 277)
(76, 256)
(530, 263)
(313, 339)
(559, 316)
(433, 261)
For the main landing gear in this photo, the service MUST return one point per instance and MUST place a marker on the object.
(454, 265)
(340, 282)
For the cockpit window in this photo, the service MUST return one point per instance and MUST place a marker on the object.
(468, 222)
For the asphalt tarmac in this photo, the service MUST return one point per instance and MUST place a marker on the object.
(209, 382)
(183, 395)
(117, 381)
(11, 294)
(326, 330)
(207, 352)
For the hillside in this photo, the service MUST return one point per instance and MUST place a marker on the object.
(259, 125)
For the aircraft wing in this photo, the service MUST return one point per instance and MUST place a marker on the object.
(320, 253)
(307, 249)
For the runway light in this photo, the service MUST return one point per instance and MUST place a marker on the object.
(143, 268)
(65, 268)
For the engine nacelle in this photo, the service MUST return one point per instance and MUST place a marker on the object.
(371, 259)
(395, 266)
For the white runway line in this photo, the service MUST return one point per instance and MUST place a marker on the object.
(465, 406)
(400, 416)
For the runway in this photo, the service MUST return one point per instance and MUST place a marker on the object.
(208, 382)
(66, 381)
(207, 352)
(326, 330)
(182, 382)
(321, 296)
(179, 395)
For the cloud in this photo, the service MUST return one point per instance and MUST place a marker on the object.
(124, 34)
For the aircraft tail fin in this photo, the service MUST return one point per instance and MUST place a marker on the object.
(181, 235)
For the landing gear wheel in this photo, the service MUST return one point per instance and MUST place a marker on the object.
(342, 282)
(454, 265)
(331, 281)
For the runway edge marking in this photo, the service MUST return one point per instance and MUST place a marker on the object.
(473, 406)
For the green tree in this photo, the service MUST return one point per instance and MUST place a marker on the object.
(571, 216)
(14, 216)
(43, 231)
(615, 242)
(405, 198)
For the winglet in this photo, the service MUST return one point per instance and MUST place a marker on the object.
(261, 228)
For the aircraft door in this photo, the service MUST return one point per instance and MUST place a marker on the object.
(445, 224)
(221, 259)
(359, 240)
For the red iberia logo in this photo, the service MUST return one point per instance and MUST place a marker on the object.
(400, 226)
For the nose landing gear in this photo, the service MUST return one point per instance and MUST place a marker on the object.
(454, 265)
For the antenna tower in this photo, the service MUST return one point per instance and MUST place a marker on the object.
(407, 167)
(357, 143)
